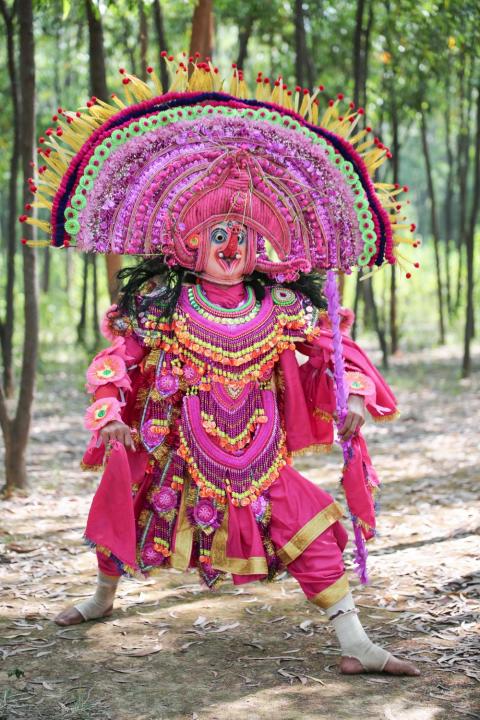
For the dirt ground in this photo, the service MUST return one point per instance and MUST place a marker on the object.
(173, 651)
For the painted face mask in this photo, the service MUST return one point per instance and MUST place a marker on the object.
(227, 253)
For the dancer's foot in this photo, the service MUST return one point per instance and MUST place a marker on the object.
(393, 666)
(72, 616)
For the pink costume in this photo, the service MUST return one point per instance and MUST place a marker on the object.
(216, 489)
(264, 187)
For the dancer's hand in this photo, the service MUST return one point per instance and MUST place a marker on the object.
(355, 417)
(116, 430)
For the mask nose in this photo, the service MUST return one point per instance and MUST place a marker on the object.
(230, 250)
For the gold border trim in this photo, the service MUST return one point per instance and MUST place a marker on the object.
(254, 565)
(90, 468)
(386, 418)
(307, 534)
(320, 448)
(332, 594)
(180, 557)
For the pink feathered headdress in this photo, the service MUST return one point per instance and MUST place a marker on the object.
(233, 191)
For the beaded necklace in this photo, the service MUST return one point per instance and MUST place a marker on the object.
(245, 312)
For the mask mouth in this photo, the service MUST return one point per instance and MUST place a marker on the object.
(226, 262)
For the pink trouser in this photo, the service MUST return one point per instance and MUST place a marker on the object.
(312, 555)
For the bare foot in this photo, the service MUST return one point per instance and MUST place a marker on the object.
(394, 666)
(71, 616)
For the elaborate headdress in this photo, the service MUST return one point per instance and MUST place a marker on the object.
(145, 176)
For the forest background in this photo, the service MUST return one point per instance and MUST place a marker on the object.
(259, 651)
(411, 63)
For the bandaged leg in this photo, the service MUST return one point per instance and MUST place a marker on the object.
(354, 641)
(101, 603)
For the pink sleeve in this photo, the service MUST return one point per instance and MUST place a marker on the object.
(379, 398)
(121, 359)
(134, 353)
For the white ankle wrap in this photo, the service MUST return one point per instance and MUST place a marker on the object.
(102, 600)
(354, 641)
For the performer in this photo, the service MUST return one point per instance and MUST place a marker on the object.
(240, 208)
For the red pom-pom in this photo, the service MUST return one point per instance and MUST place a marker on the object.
(368, 128)
(408, 276)
(413, 227)
(340, 96)
(125, 81)
(121, 71)
(164, 53)
(331, 103)
(170, 57)
(149, 69)
(297, 88)
(24, 241)
(389, 155)
(321, 88)
(405, 188)
(417, 265)
(60, 110)
(361, 111)
(197, 55)
(22, 218)
(41, 140)
(49, 132)
(66, 243)
(28, 206)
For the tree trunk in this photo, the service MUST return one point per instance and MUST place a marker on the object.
(82, 322)
(434, 225)
(304, 70)
(16, 430)
(95, 319)
(470, 246)
(370, 301)
(143, 39)
(202, 29)
(46, 270)
(98, 87)
(357, 51)
(243, 38)
(463, 143)
(11, 244)
(449, 192)
(162, 42)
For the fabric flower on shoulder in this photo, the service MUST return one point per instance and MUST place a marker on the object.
(115, 324)
(109, 366)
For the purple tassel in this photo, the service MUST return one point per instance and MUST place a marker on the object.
(341, 396)
(361, 554)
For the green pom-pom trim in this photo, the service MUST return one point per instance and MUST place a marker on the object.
(166, 117)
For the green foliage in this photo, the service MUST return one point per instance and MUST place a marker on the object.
(418, 52)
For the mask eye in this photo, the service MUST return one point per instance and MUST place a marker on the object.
(218, 236)
(241, 238)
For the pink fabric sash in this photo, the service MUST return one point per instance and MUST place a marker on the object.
(111, 520)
